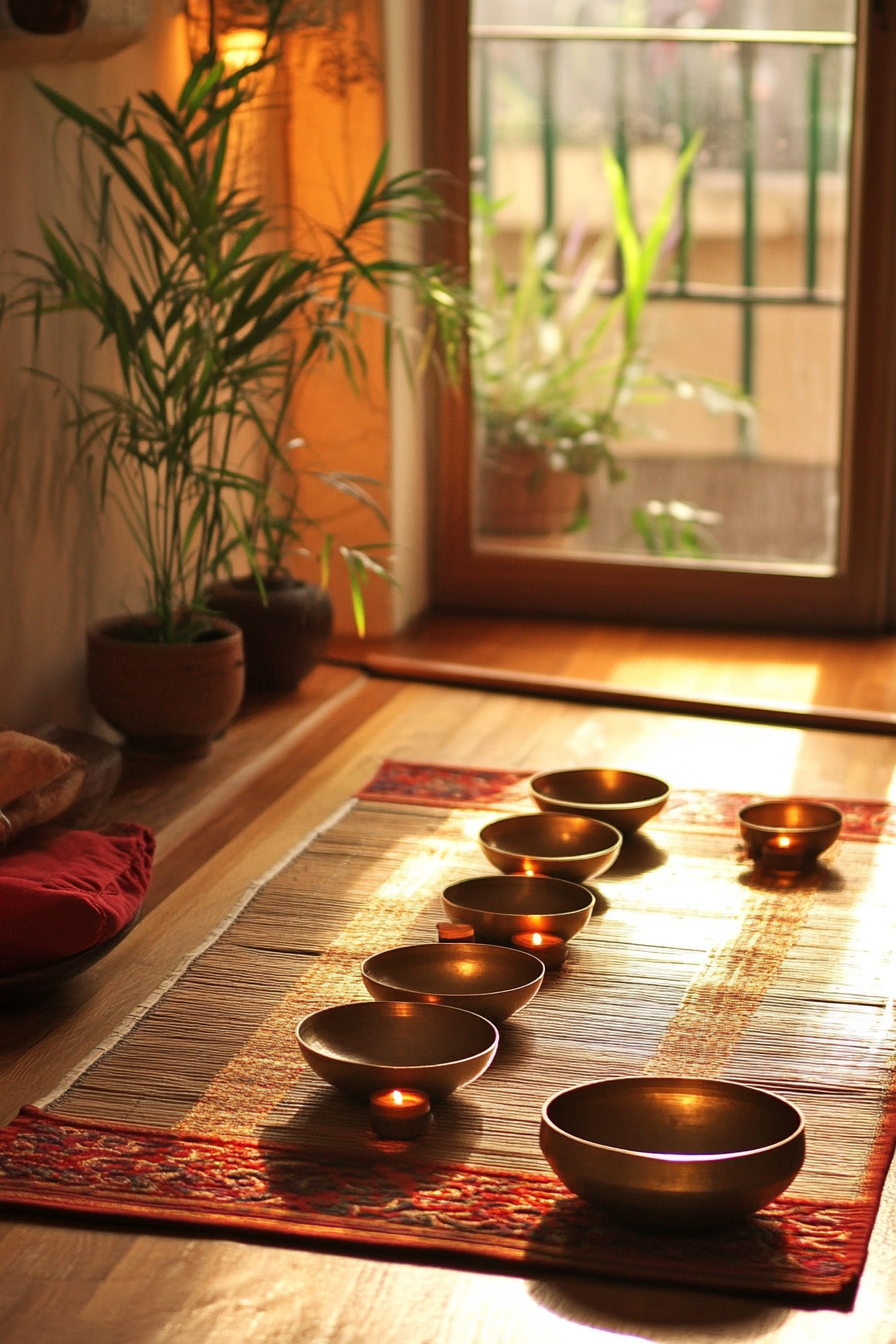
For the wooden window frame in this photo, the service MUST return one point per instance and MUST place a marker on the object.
(861, 596)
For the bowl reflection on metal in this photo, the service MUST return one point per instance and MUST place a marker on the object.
(804, 827)
(622, 798)
(551, 845)
(499, 907)
(493, 981)
(364, 1047)
(673, 1152)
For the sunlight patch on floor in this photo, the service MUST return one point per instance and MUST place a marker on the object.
(790, 683)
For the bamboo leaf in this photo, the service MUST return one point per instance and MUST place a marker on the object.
(102, 130)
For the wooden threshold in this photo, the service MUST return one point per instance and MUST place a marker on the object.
(842, 684)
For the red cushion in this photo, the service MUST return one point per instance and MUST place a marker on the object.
(69, 891)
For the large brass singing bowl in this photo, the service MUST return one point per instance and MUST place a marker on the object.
(551, 845)
(493, 981)
(814, 826)
(673, 1152)
(363, 1047)
(622, 798)
(499, 907)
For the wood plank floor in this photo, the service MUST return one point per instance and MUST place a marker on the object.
(805, 680)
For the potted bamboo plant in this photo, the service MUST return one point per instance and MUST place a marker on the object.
(208, 323)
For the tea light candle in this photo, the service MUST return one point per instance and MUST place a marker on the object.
(456, 933)
(786, 852)
(400, 1113)
(550, 948)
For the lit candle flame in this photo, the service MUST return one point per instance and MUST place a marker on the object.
(397, 1097)
(528, 869)
(536, 940)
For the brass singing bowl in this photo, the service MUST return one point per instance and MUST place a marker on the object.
(551, 844)
(814, 825)
(363, 1047)
(499, 907)
(673, 1152)
(622, 798)
(493, 981)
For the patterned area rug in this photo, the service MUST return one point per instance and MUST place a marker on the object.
(200, 1110)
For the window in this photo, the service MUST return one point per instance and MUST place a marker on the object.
(819, 553)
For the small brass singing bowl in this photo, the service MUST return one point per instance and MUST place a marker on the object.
(675, 1153)
(495, 982)
(551, 844)
(499, 907)
(811, 827)
(622, 798)
(364, 1047)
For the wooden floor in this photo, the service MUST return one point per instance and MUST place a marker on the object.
(805, 680)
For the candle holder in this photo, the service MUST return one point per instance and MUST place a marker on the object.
(788, 834)
(400, 1113)
(456, 933)
(548, 947)
(784, 854)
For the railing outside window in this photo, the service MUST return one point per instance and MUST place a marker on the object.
(737, 49)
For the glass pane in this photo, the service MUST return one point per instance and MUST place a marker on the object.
(659, 245)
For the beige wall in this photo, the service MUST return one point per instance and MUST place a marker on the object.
(60, 565)
(335, 126)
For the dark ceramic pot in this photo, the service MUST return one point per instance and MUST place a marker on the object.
(283, 639)
(48, 16)
(168, 699)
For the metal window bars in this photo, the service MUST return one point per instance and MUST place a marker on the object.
(748, 294)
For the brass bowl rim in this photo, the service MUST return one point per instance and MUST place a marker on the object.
(661, 797)
(537, 977)
(587, 904)
(766, 829)
(573, 857)
(387, 1008)
(672, 1158)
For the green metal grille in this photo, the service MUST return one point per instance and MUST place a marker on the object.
(748, 295)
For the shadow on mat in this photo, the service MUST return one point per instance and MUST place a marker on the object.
(338, 1126)
(639, 854)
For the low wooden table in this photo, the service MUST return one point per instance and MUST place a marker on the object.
(66, 1282)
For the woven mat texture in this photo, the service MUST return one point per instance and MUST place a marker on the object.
(204, 1111)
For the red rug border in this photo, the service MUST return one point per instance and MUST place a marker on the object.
(845, 805)
(425, 1242)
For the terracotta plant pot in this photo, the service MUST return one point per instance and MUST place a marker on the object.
(519, 496)
(165, 698)
(283, 640)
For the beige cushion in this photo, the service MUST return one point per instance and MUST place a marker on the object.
(38, 781)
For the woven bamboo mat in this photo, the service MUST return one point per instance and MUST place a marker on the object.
(204, 1112)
